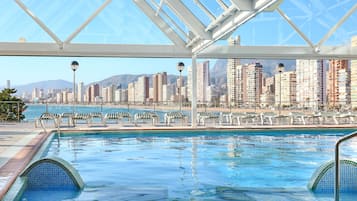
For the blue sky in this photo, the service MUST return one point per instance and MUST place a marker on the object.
(123, 23)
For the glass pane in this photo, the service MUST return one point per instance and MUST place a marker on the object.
(313, 18)
(16, 25)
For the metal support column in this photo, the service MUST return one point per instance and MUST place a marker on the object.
(194, 92)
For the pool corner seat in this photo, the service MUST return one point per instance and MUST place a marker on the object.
(52, 173)
(322, 181)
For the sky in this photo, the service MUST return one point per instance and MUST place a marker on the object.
(121, 22)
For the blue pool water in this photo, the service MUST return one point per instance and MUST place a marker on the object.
(196, 165)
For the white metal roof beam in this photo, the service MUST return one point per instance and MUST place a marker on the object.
(279, 52)
(222, 4)
(244, 5)
(164, 27)
(162, 12)
(172, 51)
(75, 33)
(93, 50)
(337, 25)
(230, 24)
(227, 13)
(159, 7)
(295, 27)
(190, 20)
(40, 23)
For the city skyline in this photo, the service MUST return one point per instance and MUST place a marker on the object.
(311, 85)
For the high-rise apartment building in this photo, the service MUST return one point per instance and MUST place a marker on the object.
(202, 82)
(65, 97)
(121, 95)
(354, 76)
(80, 92)
(59, 98)
(169, 91)
(142, 89)
(35, 94)
(254, 83)
(285, 89)
(338, 83)
(232, 75)
(310, 83)
(92, 92)
(108, 93)
(268, 92)
(189, 83)
(131, 92)
(158, 80)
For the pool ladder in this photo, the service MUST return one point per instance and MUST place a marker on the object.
(337, 163)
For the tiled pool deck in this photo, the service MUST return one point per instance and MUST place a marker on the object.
(19, 142)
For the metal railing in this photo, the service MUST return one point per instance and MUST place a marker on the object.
(337, 164)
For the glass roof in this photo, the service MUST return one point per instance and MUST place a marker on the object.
(187, 24)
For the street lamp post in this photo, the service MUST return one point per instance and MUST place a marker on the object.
(180, 67)
(74, 67)
(280, 70)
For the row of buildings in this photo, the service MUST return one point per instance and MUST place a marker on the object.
(312, 84)
(143, 90)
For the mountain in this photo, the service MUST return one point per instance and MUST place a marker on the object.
(48, 84)
(122, 80)
(218, 72)
(269, 65)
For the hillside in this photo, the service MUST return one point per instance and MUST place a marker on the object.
(47, 84)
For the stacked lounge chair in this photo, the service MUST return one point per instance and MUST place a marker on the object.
(297, 117)
(144, 116)
(81, 117)
(203, 117)
(170, 117)
(68, 116)
(117, 116)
